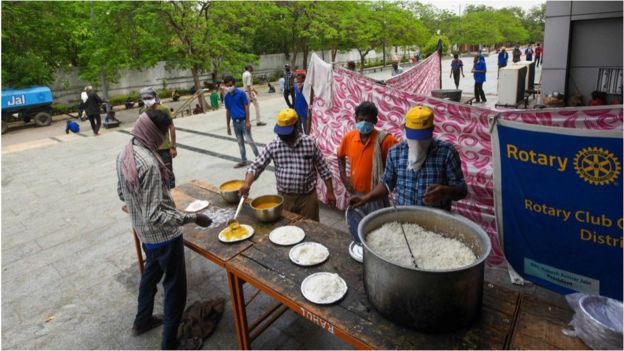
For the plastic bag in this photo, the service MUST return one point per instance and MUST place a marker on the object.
(597, 321)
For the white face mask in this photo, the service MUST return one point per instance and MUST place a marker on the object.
(417, 153)
(231, 89)
(149, 102)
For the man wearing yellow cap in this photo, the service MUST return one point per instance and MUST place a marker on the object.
(421, 170)
(297, 160)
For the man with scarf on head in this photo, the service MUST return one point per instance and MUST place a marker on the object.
(422, 170)
(142, 184)
(167, 150)
(297, 160)
(366, 148)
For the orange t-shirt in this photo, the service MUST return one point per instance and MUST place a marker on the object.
(361, 157)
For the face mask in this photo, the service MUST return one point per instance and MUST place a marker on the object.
(231, 89)
(149, 102)
(288, 138)
(417, 153)
(364, 127)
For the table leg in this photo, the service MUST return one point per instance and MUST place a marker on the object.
(137, 245)
(239, 310)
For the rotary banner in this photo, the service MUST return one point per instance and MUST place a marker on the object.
(558, 204)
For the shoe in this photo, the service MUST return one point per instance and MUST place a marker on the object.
(154, 322)
(242, 164)
(260, 124)
(484, 101)
(477, 101)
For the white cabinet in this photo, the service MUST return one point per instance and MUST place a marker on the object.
(511, 84)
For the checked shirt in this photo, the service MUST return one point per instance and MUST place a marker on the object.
(442, 166)
(152, 211)
(295, 168)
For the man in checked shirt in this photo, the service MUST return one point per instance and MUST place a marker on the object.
(297, 159)
(422, 170)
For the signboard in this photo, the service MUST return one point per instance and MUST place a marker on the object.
(558, 195)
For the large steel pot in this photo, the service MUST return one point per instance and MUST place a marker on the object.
(434, 301)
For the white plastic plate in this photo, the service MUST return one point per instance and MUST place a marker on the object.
(356, 252)
(295, 253)
(250, 232)
(295, 235)
(314, 280)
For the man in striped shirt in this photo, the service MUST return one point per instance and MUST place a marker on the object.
(143, 181)
(297, 161)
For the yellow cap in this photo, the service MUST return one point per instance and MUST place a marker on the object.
(419, 123)
(286, 121)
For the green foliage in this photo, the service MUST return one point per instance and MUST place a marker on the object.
(432, 44)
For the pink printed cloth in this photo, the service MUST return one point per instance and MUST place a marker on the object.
(419, 79)
(465, 126)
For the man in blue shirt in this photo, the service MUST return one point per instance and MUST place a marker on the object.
(237, 109)
(528, 52)
(479, 69)
(421, 170)
(503, 56)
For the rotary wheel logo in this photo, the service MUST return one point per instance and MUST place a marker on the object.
(597, 165)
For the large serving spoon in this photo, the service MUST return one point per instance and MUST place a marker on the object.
(233, 223)
(405, 236)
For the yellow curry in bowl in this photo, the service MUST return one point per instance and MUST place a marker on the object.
(234, 185)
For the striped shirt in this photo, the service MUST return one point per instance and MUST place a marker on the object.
(295, 168)
(152, 211)
(289, 80)
(442, 166)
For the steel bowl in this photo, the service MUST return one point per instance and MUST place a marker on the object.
(421, 299)
(268, 214)
(231, 196)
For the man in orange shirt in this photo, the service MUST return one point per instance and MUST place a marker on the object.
(366, 148)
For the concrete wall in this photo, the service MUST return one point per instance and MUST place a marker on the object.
(68, 85)
(580, 37)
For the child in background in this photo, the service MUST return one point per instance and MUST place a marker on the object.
(73, 126)
(214, 100)
(301, 105)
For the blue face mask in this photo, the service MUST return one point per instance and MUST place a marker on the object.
(364, 127)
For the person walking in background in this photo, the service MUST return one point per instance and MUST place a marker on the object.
(93, 107)
(289, 86)
(351, 66)
(167, 150)
(539, 51)
(280, 83)
(516, 54)
(396, 70)
(252, 94)
(503, 56)
(237, 110)
(528, 52)
(457, 67)
(301, 105)
(142, 183)
(479, 69)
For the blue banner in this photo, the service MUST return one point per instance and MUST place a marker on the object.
(559, 206)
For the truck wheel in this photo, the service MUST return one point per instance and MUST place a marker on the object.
(43, 119)
(4, 126)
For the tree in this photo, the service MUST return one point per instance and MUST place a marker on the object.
(480, 28)
(35, 43)
(432, 44)
(534, 22)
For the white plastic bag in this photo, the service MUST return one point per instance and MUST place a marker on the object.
(597, 321)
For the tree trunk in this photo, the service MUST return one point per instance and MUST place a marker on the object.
(334, 52)
(306, 50)
(384, 54)
(198, 87)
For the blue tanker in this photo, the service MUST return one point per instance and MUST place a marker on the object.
(25, 104)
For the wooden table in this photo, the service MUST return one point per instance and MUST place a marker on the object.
(508, 320)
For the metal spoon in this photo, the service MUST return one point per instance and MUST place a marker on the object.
(233, 223)
(405, 236)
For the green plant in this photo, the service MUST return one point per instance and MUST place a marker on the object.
(61, 109)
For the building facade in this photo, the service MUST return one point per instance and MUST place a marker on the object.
(583, 49)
